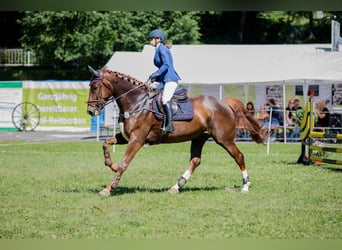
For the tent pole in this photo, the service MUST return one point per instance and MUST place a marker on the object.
(221, 92)
(305, 91)
(246, 89)
(284, 112)
(269, 132)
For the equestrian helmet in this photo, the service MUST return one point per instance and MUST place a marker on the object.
(157, 33)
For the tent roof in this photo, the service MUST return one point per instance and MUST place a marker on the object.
(237, 64)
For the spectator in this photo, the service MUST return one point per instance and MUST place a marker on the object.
(297, 104)
(250, 108)
(266, 110)
(296, 107)
(322, 114)
(289, 116)
(292, 128)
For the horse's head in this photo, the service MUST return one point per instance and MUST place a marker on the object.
(124, 89)
(99, 93)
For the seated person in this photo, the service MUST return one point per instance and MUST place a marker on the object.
(293, 129)
(275, 117)
(252, 111)
(250, 107)
(289, 115)
(322, 115)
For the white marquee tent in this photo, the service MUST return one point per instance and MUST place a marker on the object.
(304, 64)
(232, 64)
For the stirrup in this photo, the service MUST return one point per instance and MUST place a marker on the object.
(167, 129)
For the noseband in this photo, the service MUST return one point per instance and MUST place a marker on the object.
(99, 102)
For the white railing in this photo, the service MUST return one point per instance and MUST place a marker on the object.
(17, 57)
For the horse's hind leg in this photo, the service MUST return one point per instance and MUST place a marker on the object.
(195, 161)
(239, 159)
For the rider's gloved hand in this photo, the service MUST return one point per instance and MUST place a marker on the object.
(154, 85)
(152, 78)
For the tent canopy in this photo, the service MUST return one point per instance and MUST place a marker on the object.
(240, 64)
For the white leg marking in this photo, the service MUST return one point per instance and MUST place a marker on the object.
(244, 174)
(187, 175)
(175, 188)
(246, 182)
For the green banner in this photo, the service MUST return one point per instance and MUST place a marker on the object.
(61, 104)
(10, 96)
(11, 84)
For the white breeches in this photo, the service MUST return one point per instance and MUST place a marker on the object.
(169, 90)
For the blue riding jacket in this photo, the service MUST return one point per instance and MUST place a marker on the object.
(164, 62)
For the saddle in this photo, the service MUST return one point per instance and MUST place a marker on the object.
(182, 109)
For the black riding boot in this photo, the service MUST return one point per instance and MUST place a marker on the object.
(169, 123)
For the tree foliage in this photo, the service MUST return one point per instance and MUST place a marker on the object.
(79, 38)
(66, 37)
(62, 36)
(266, 27)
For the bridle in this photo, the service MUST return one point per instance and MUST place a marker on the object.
(99, 102)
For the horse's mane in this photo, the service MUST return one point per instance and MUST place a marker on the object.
(126, 77)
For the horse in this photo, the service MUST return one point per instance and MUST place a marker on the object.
(212, 118)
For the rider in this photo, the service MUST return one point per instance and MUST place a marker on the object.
(166, 74)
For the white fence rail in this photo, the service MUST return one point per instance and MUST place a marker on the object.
(17, 57)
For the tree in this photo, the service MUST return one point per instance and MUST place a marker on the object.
(9, 29)
(61, 37)
(181, 27)
(230, 27)
(265, 27)
(78, 38)
(298, 26)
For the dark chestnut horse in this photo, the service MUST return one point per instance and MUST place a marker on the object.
(211, 118)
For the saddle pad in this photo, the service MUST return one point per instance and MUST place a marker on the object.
(184, 110)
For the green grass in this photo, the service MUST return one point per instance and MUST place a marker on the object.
(50, 191)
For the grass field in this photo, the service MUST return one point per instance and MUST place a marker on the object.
(50, 191)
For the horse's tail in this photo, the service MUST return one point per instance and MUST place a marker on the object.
(243, 118)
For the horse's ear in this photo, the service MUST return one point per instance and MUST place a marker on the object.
(94, 72)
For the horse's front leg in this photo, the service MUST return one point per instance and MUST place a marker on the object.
(117, 139)
(131, 150)
(106, 146)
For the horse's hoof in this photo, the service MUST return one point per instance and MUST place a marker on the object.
(245, 188)
(105, 192)
(173, 190)
(113, 167)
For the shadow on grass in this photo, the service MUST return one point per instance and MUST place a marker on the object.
(323, 165)
(130, 190)
(334, 169)
(93, 138)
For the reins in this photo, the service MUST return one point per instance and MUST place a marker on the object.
(129, 91)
